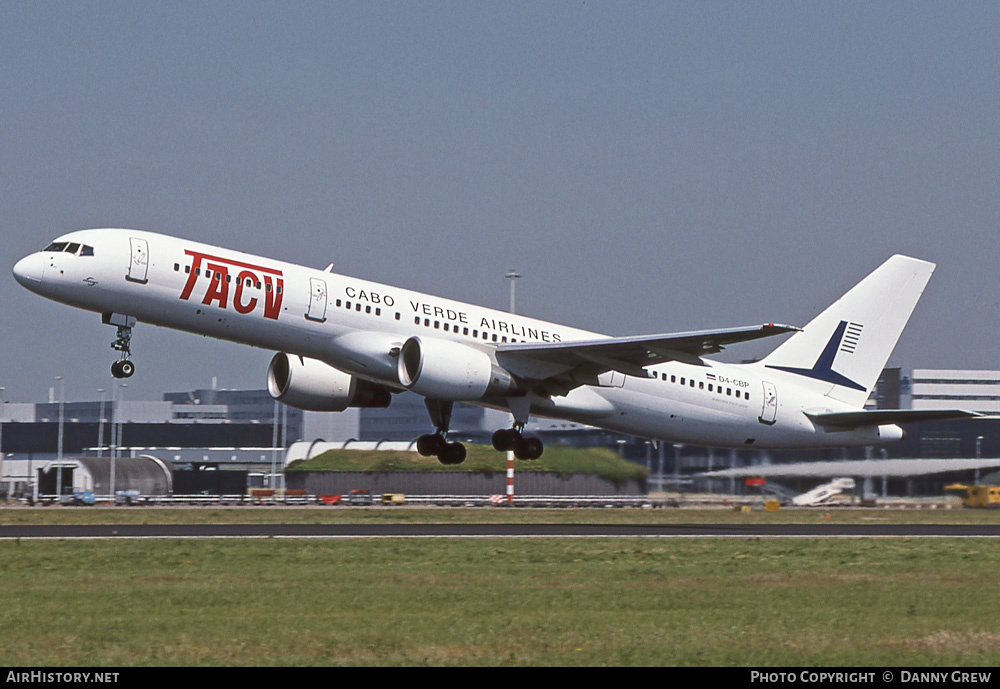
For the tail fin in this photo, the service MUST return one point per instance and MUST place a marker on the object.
(842, 351)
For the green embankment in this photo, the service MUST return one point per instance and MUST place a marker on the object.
(559, 459)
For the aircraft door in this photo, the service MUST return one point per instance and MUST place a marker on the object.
(768, 413)
(138, 266)
(317, 300)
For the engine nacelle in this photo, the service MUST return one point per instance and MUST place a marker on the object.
(314, 386)
(447, 370)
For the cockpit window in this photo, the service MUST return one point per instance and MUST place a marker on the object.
(71, 248)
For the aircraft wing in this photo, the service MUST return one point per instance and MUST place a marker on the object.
(878, 417)
(565, 365)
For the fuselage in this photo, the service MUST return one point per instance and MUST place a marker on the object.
(358, 327)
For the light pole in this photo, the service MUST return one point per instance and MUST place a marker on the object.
(284, 442)
(117, 416)
(121, 443)
(100, 426)
(979, 455)
(274, 449)
(511, 275)
(59, 458)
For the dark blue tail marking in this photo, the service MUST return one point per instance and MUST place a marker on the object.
(823, 368)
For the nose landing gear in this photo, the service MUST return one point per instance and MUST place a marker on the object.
(123, 368)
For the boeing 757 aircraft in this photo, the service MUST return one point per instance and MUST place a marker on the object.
(345, 342)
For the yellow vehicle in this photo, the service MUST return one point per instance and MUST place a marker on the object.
(977, 496)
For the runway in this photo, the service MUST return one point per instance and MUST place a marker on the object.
(166, 531)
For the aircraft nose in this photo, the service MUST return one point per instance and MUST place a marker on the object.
(28, 271)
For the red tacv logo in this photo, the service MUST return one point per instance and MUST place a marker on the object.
(245, 284)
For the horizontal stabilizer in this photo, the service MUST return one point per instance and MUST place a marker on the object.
(881, 417)
(858, 468)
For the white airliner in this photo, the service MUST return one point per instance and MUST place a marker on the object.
(345, 342)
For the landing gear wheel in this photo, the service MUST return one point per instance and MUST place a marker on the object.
(123, 368)
(452, 453)
(506, 439)
(430, 444)
(528, 448)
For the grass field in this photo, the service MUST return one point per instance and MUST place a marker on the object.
(480, 515)
(748, 602)
(757, 602)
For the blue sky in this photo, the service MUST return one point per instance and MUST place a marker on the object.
(647, 167)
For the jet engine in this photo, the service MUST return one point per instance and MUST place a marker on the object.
(312, 385)
(447, 370)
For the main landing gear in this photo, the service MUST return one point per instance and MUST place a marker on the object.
(512, 439)
(123, 368)
(436, 444)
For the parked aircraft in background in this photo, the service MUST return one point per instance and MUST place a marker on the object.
(345, 342)
(824, 493)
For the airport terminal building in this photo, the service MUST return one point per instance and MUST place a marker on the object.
(246, 430)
